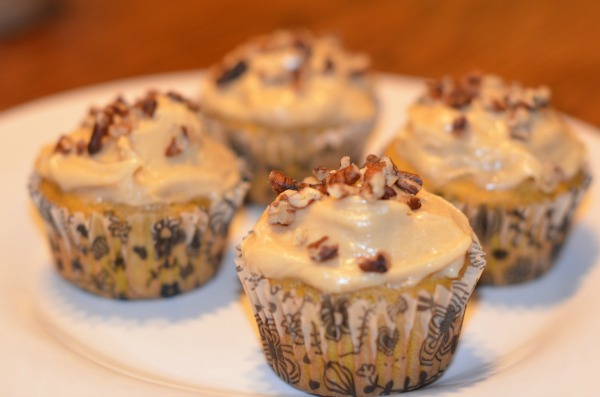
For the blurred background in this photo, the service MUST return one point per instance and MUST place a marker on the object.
(48, 46)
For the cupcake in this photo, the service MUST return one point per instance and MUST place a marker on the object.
(506, 158)
(137, 201)
(290, 101)
(359, 280)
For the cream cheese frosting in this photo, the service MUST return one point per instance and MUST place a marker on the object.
(291, 79)
(347, 233)
(497, 135)
(154, 151)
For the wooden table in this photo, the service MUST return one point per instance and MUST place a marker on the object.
(81, 42)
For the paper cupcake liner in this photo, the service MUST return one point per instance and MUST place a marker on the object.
(141, 255)
(522, 243)
(375, 341)
(294, 152)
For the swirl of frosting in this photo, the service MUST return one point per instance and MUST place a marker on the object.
(495, 134)
(290, 79)
(154, 151)
(355, 228)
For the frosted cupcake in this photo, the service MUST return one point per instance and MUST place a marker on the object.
(359, 280)
(137, 201)
(290, 101)
(505, 157)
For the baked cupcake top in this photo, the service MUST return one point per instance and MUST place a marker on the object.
(354, 228)
(152, 151)
(290, 79)
(495, 134)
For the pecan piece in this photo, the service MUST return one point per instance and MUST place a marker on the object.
(371, 159)
(457, 98)
(304, 197)
(388, 193)
(64, 145)
(380, 263)
(435, 89)
(232, 74)
(281, 212)
(519, 124)
(147, 105)
(177, 97)
(408, 182)
(414, 203)
(459, 125)
(280, 182)
(321, 173)
(321, 251)
(347, 175)
(119, 107)
(101, 125)
(374, 183)
(340, 190)
(173, 149)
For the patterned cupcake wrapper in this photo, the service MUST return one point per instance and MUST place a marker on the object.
(375, 341)
(295, 153)
(142, 255)
(522, 243)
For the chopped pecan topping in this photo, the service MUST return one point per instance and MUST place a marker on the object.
(388, 193)
(147, 105)
(280, 182)
(304, 197)
(281, 212)
(541, 97)
(374, 186)
(454, 93)
(414, 203)
(380, 263)
(471, 83)
(321, 251)
(409, 182)
(348, 175)
(103, 121)
(64, 145)
(495, 104)
(173, 149)
(340, 190)
(233, 73)
(459, 125)
(321, 173)
(119, 107)
(435, 89)
(377, 179)
(371, 159)
(384, 167)
(519, 123)
(457, 98)
(119, 118)
(191, 105)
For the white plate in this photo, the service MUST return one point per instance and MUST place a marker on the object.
(534, 339)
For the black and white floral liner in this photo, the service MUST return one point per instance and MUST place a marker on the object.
(371, 342)
(522, 243)
(146, 254)
(295, 152)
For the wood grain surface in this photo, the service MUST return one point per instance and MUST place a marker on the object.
(74, 43)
